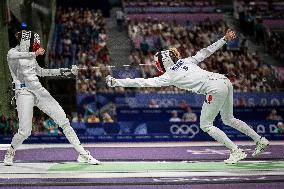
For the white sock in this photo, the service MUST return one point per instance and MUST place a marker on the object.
(11, 149)
(73, 139)
(17, 140)
(222, 138)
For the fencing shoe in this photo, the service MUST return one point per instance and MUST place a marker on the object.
(261, 145)
(9, 156)
(87, 158)
(236, 156)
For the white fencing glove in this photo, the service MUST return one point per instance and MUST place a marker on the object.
(74, 70)
(110, 81)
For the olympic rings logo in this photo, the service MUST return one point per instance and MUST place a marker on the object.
(191, 130)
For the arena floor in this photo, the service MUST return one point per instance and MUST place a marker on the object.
(143, 165)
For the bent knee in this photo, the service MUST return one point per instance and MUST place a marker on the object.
(205, 127)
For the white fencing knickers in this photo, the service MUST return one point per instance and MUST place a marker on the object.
(219, 98)
(25, 101)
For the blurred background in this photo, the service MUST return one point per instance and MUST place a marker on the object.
(100, 33)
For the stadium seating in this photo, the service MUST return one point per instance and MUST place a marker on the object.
(79, 38)
(151, 36)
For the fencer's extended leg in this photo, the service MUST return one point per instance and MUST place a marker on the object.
(72, 137)
(25, 103)
(228, 119)
(208, 113)
(52, 108)
(210, 109)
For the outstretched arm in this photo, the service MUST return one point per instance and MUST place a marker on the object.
(138, 82)
(206, 52)
(64, 72)
(46, 72)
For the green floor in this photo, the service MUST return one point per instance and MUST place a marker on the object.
(167, 166)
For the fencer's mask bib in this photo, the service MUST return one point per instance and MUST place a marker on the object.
(165, 59)
(30, 41)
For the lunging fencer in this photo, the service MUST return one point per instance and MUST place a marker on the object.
(29, 93)
(186, 74)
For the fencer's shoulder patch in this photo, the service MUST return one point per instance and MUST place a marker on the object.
(177, 65)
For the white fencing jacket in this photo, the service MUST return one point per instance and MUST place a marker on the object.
(185, 74)
(25, 69)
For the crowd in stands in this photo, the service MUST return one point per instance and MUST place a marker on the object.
(90, 115)
(274, 45)
(274, 116)
(44, 125)
(187, 116)
(41, 125)
(251, 15)
(167, 3)
(8, 125)
(80, 38)
(264, 9)
(151, 36)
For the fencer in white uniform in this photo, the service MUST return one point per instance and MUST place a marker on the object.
(186, 74)
(29, 93)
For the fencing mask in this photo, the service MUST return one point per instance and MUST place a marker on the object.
(165, 59)
(29, 42)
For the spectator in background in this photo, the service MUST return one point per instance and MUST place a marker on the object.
(52, 127)
(69, 117)
(78, 122)
(41, 129)
(35, 127)
(273, 116)
(280, 127)
(13, 125)
(259, 31)
(87, 111)
(119, 19)
(93, 119)
(183, 104)
(153, 104)
(3, 125)
(80, 118)
(189, 116)
(174, 117)
(144, 46)
(107, 118)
